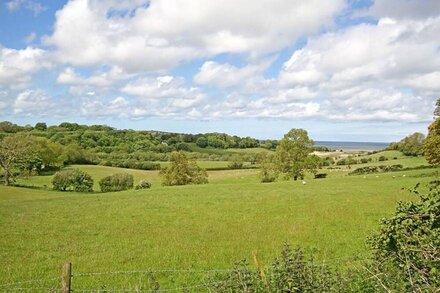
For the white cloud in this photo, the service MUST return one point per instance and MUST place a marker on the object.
(158, 36)
(371, 72)
(34, 6)
(226, 75)
(417, 9)
(17, 66)
(32, 102)
(98, 107)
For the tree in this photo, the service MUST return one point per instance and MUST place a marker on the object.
(268, 168)
(202, 142)
(292, 153)
(183, 171)
(437, 108)
(432, 141)
(15, 152)
(41, 126)
(412, 145)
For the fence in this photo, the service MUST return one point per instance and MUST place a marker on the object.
(64, 282)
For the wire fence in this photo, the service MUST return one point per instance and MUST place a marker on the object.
(195, 280)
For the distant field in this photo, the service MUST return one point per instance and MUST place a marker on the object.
(208, 150)
(189, 227)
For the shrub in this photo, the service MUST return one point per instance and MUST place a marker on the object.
(143, 184)
(364, 160)
(75, 180)
(341, 162)
(320, 175)
(406, 246)
(236, 162)
(382, 158)
(116, 182)
(292, 271)
(183, 171)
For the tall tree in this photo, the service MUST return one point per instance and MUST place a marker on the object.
(292, 153)
(432, 141)
(15, 151)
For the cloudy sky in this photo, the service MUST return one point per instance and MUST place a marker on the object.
(356, 70)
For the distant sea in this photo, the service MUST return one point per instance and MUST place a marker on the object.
(352, 146)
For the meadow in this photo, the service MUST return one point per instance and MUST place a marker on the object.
(204, 227)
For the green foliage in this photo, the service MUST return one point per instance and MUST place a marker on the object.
(268, 168)
(320, 175)
(411, 145)
(376, 169)
(116, 182)
(77, 155)
(41, 126)
(16, 155)
(407, 244)
(292, 154)
(73, 180)
(143, 184)
(236, 162)
(437, 108)
(183, 171)
(382, 158)
(432, 143)
(290, 272)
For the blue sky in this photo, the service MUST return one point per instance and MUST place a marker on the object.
(343, 70)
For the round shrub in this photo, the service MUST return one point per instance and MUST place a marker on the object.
(116, 182)
(143, 184)
(74, 180)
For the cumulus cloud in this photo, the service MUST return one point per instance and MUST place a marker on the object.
(376, 72)
(31, 102)
(226, 75)
(157, 35)
(17, 66)
(98, 107)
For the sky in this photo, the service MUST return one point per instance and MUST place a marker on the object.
(344, 70)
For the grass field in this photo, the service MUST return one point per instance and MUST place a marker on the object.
(189, 227)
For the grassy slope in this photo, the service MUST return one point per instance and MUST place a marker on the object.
(207, 226)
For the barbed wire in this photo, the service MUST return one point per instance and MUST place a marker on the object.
(32, 289)
(148, 272)
(30, 281)
(150, 290)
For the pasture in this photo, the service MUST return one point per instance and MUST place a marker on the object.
(201, 227)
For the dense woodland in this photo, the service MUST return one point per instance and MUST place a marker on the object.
(100, 144)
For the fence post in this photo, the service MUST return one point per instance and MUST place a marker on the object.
(66, 278)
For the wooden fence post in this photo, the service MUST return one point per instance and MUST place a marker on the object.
(66, 278)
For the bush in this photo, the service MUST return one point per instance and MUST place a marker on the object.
(406, 247)
(116, 182)
(143, 184)
(183, 171)
(320, 175)
(74, 180)
(236, 162)
(382, 158)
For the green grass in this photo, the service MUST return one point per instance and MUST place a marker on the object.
(189, 227)
(215, 151)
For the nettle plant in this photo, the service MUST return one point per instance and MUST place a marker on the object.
(408, 244)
